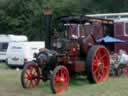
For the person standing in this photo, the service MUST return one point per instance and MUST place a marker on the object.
(122, 62)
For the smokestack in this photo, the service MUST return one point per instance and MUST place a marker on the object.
(48, 25)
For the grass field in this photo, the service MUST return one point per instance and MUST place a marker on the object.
(10, 86)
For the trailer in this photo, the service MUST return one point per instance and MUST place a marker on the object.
(4, 43)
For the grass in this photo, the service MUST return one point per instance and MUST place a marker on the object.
(10, 86)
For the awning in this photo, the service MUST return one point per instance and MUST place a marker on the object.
(109, 39)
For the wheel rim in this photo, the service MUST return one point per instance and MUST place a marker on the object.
(31, 76)
(101, 65)
(61, 80)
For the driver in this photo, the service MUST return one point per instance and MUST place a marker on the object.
(56, 42)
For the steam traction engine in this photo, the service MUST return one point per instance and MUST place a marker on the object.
(70, 53)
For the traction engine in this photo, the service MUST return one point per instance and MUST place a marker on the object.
(74, 51)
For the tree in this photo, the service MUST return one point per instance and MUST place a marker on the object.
(26, 16)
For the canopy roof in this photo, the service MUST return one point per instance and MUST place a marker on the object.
(84, 19)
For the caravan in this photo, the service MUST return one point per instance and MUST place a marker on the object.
(4, 43)
(20, 52)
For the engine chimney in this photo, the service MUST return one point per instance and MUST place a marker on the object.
(48, 25)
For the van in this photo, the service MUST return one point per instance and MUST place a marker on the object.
(19, 53)
(5, 40)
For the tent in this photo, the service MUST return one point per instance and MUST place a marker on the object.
(108, 39)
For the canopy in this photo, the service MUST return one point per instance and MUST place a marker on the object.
(83, 20)
(109, 39)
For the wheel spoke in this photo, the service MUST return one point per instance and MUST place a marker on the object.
(100, 75)
(95, 69)
(31, 84)
(30, 70)
(102, 57)
(26, 77)
(96, 58)
(61, 72)
(26, 73)
(27, 81)
(105, 67)
(57, 78)
(95, 63)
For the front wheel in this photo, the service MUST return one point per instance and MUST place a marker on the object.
(59, 79)
(30, 76)
(98, 64)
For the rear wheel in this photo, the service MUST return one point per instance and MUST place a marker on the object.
(59, 79)
(98, 64)
(30, 76)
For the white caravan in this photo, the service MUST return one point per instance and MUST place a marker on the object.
(20, 52)
(5, 40)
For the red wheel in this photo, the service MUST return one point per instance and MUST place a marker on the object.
(98, 64)
(59, 79)
(30, 76)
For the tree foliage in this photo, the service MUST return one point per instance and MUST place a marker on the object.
(26, 16)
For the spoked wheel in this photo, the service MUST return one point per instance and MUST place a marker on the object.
(59, 79)
(30, 76)
(98, 64)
